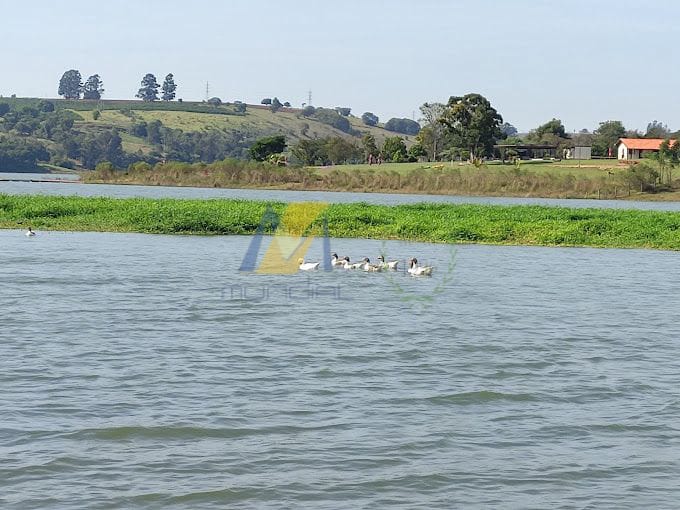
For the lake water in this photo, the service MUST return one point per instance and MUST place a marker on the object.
(124, 191)
(144, 371)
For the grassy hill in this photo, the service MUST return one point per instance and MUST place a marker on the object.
(256, 122)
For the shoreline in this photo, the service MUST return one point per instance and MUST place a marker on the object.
(522, 225)
(664, 196)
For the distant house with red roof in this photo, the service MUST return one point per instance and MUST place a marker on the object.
(637, 148)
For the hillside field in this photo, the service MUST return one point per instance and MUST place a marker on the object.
(257, 120)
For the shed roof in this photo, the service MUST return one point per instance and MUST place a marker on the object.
(644, 144)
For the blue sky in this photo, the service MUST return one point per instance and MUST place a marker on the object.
(582, 61)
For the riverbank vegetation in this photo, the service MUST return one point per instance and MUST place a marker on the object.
(604, 179)
(441, 223)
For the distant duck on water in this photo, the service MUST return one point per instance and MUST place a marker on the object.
(29, 232)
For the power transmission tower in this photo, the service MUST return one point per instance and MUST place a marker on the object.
(207, 91)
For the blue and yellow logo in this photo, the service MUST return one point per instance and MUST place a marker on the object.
(290, 241)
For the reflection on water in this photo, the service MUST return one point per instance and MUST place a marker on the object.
(147, 371)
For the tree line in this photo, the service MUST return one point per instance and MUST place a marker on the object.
(71, 86)
(333, 150)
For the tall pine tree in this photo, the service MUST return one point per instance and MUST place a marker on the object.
(169, 88)
(149, 89)
(94, 87)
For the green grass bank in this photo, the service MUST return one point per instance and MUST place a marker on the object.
(440, 223)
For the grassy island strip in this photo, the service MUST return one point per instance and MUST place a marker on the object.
(439, 223)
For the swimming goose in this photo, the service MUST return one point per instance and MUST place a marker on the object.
(372, 268)
(355, 265)
(308, 266)
(337, 261)
(417, 270)
(392, 264)
(29, 232)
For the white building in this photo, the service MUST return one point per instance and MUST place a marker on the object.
(636, 148)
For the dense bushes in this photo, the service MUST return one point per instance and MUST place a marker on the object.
(19, 155)
(403, 126)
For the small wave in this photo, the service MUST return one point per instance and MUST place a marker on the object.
(214, 496)
(480, 397)
(128, 433)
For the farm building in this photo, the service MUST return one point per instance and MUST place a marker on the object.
(636, 148)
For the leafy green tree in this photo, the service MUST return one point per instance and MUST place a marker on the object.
(308, 111)
(139, 129)
(4, 108)
(44, 106)
(286, 104)
(394, 149)
(403, 126)
(149, 88)
(656, 129)
(153, 132)
(276, 105)
(18, 154)
(340, 150)
(432, 112)
(310, 152)
(553, 127)
(667, 157)
(370, 119)
(93, 88)
(266, 100)
(332, 118)
(265, 147)
(103, 146)
(606, 137)
(416, 151)
(472, 124)
(169, 88)
(71, 84)
(369, 145)
(343, 110)
(215, 101)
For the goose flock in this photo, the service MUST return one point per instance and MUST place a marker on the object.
(366, 265)
(345, 263)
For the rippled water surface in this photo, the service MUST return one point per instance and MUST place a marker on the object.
(145, 371)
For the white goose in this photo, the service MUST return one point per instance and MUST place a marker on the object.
(337, 261)
(308, 266)
(371, 268)
(417, 270)
(29, 232)
(392, 264)
(355, 265)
